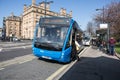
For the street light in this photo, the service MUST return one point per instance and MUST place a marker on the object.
(103, 12)
(46, 5)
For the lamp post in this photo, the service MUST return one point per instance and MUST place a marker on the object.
(46, 5)
(4, 29)
(108, 30)
(103, 12)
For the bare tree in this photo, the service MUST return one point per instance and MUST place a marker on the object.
(90, 29)
(111, 16)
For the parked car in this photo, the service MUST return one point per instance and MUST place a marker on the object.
(16, 39)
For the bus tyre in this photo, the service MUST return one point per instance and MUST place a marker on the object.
(77, 57)
(74, 56)
(71, 57)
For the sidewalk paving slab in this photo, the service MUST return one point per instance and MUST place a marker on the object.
(94, 65)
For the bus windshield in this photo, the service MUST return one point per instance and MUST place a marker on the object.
(51, 36)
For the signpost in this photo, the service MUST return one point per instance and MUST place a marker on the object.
(104, 26)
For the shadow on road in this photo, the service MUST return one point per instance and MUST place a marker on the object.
(100, 68)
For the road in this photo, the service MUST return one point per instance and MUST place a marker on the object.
(14, 44)
(18, 63)
(33, 69)
(9, 54)
(10, 50)
(93, 65)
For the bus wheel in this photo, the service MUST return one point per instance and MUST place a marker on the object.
(72, 57)
(77, 57)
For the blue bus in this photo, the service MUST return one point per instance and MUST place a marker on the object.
(54, 39)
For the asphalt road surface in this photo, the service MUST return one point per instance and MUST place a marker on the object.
(8, 54)
(30, 70)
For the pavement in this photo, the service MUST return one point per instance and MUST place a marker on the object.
(94, 65)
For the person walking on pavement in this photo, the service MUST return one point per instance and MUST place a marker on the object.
(74, 50)
(112, 42)
(100, 45)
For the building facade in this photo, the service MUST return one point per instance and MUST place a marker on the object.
(13, 26)
(32, 14)
(24, 26)
(1, 32)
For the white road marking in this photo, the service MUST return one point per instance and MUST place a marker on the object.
(25, 61)
(1, 69)
(16, 47)
(19, 47)
(57, 72)
(17, 60)
(24, 47)
(60, 72)
(0, 49)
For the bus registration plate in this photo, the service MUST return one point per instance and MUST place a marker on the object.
(46, 57)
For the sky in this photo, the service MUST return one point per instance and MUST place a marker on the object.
(83, 11)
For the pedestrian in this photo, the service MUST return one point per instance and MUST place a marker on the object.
(100, 45)
(97, 43)
(112, 42)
